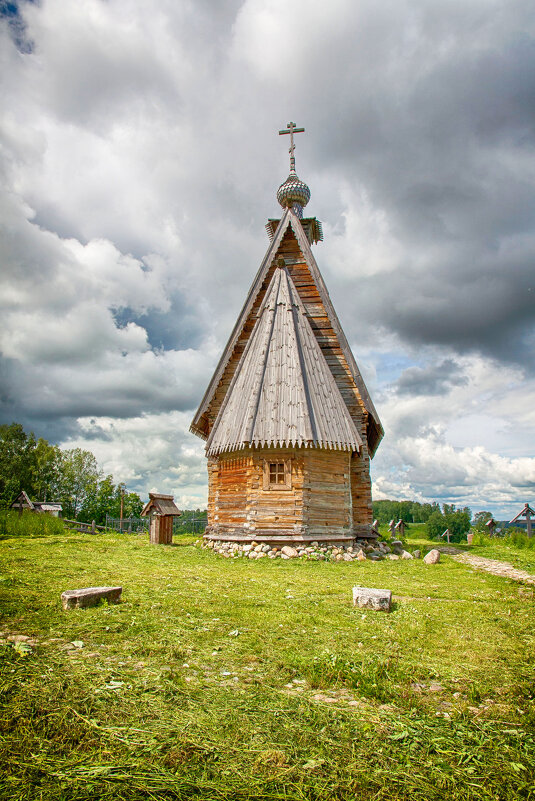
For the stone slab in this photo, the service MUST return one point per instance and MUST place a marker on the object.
(368, 598)
(90, 596)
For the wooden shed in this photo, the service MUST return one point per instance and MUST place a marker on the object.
(22, 502)
(161, 509)
(289, 424)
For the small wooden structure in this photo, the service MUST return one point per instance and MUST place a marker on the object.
(446, 534)
(22, 502)
(161, 509)
(528, 513)
(289, 424)
(491, 525)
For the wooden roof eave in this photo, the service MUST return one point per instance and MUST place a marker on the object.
(196, 426)
(524, 513)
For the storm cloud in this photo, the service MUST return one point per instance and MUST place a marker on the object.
(140, 160)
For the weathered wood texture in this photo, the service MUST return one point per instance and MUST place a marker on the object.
(283, 392)
(161, 530)
(317, 502)
(330, 490)
(323, 321)
(361, 488)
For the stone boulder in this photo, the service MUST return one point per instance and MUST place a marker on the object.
(288, 551)
(432, 557)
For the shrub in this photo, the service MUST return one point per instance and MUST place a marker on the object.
(29, 524)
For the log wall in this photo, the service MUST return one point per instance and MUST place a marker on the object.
(327, 492)
(320, 501)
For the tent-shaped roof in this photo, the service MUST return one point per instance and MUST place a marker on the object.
(23, 500)
(211, 404)
(526, 512)
(160, 504)
(283, 392)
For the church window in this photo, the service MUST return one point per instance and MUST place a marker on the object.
(277, 475)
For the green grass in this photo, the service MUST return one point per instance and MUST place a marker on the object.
(235, 679)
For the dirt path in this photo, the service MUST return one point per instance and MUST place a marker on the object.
(490, 565)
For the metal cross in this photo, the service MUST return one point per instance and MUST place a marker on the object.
(291, 130)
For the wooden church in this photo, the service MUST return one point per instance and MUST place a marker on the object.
(289, 425)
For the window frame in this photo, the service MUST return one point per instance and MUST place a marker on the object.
(268, 486)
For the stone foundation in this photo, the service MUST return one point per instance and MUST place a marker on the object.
(359, 550)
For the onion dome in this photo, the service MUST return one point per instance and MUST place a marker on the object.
(293, 194)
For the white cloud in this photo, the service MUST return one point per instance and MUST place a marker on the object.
(140, 159)
(460, 446)
(150, 453)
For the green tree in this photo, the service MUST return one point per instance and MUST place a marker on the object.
(481, 519)
(436, 525)
(457, 520)
(17, 462)
(98, 504)
(132, 503)
(79, 480)
(107, 501)
(46, 478)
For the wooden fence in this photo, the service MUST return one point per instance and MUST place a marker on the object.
(83, 528)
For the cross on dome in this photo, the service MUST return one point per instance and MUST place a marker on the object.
(293, 193)
(291, 129)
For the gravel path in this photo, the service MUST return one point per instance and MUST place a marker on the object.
(490, 565)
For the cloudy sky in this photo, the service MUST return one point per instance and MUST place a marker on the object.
(140, 158)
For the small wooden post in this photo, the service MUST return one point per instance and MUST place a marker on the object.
(161, 509)
(392, 527)
(447, 534)
(122, 507)
(93, 527)
(400, 528)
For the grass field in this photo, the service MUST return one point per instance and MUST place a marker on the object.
(220, 679)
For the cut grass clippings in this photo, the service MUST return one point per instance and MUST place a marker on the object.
(235, 679)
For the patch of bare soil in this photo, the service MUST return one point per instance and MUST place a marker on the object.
(493, 566)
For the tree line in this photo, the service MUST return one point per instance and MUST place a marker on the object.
(72, 477)
(408, 511)
(436, 518)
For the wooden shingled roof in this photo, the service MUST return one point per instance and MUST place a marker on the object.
(160, 504)
(283, 393)
(289, 228)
